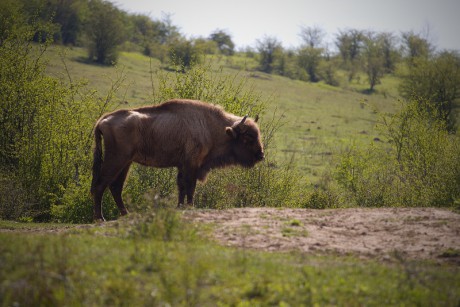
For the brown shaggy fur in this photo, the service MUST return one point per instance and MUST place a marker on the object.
(192, 136)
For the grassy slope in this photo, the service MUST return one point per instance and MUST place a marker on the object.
(319, 120)
(158, 260)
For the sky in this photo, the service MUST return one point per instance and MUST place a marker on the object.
(249, 20)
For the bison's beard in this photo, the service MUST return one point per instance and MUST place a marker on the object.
(225, 161)
(219, 162)
(247, 163)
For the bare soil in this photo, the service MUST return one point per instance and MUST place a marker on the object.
(417, 233)
(382, 233)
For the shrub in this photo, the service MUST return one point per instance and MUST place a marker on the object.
(75, 204)
(419, 167)
(46, 126)
(321, 199)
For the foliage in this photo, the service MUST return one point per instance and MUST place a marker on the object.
(309, 59)
(148, 31)
(373, 53)
(184, 54)
(224, 41)
(416, 46)
(74, 206)
(67, 16)
(327, 71)
(104, 30)
(390, 52)
(270, 50)
(349, 42)
(420, 168)
(437, 80)
(312, 36)
(157, 259)
(46, 126)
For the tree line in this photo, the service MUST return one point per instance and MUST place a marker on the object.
(104, 29)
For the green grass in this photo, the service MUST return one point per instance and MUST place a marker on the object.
(27, 226)
(159, 260)
(318, 120)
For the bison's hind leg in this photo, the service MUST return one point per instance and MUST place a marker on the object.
(116, 187)
(113, 174)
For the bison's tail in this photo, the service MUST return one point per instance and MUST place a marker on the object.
(97, 158)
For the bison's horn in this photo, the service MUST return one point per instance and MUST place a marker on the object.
(240, 124)
(243, 120)
(257, 118)
(238, 127)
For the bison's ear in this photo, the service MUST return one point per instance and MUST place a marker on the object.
(231, 132)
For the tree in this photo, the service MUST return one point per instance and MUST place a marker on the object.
(146, 33)
(437, 80)
(312, 36)
(105, 32)
(270, 49)
(68, 16)
(373, 55)
(416, 46)
(309, 59)
(390, 53)
(184, 54)
(224, 42)
(168, 32)
(350, 43)
(309, 55)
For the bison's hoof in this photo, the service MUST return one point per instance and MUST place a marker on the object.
(99, 220)
(184, 207)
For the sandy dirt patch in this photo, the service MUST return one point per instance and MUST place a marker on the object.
(418, 233)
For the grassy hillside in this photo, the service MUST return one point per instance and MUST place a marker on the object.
(318, 120)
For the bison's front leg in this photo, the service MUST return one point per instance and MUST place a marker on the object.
(190, 187)
(181, 187)
(186, 183)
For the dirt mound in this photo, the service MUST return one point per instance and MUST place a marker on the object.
(418, 233)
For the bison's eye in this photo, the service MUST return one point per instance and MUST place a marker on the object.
(248, 139)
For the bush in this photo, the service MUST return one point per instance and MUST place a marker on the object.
(436, 80)
(321, 199)
(420, 167)
(46, 126)
(14, 200)
(75, 204)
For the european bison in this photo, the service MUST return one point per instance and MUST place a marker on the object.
(191, 135)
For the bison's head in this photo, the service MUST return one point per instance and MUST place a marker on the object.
(246, 144)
